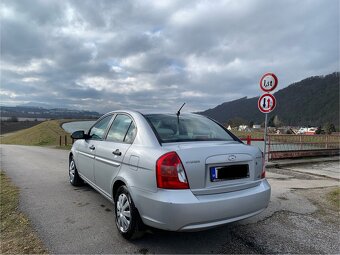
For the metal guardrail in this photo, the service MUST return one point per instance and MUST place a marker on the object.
(297, 146)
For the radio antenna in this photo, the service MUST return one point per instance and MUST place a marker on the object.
(179, 111)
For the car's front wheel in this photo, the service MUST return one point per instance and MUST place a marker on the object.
(75, 179)
(128, 221)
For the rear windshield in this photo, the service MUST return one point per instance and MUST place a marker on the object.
(186, 128)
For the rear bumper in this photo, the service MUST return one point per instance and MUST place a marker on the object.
(181, 210)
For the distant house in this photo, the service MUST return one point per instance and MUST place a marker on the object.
(307, 131)
(243, 128)
(256, 126)
(229, 127)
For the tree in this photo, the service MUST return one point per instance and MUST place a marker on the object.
(13, 119)
(274, 121)
(251, 124)
(330, 128)
(271, 122)
(277, 121)
(235, 122)
(318, 131)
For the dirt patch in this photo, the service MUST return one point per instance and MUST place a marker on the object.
(327, 201)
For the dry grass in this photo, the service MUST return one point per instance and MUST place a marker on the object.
(46, 133)
(334, 197)
(17, 236)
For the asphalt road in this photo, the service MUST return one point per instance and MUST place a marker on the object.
(80, 220)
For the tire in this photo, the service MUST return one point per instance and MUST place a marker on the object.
(128, 221)
(74, 177)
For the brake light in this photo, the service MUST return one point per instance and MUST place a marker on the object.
(170, 172)
(263, 174)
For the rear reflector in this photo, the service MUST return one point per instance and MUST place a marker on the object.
(170, 172)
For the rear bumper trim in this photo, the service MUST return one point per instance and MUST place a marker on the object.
(181, 210)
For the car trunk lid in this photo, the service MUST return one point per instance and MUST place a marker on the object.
(236, 166)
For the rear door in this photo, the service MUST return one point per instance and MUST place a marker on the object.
(110, 153)
(86, 149)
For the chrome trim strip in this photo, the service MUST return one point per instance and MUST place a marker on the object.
(86, 154)
(107, 161)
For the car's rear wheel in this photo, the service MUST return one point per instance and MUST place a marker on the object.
(75, 179)
(128, 221)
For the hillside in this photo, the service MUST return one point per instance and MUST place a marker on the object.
(45, 133)
(312, 101)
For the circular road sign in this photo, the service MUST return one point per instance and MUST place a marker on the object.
(268, 82)
(266, 103)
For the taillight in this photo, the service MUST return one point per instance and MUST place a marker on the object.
(263, 174)
(170, 172)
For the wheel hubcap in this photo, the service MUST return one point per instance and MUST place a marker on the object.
(72, 171)
(123, 213)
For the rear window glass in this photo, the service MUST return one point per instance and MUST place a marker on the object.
(186, 128)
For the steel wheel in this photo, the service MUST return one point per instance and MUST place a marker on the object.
(123, 213)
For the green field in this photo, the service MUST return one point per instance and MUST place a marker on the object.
(44, 134)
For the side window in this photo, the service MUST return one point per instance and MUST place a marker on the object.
(97, 132)
(131, 133)
(122, 129)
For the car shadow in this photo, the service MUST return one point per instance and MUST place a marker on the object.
(224, 239)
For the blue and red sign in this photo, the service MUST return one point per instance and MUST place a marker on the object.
(266, 103)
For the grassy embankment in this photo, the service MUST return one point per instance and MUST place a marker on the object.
(46, 133)
(17, 236)
(7, 127)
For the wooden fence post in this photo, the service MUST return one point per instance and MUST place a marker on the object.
(300, 140)
(65, 140)
(60, 140)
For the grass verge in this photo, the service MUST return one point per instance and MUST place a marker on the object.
(45, 134)
(334, 197)
(17, 236)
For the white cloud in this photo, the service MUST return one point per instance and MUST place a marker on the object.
(156, 54)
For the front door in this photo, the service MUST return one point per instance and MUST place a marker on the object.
(110, 153)
(87, 148)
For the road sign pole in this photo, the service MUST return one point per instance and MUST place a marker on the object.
(265, 138)
(267, 103)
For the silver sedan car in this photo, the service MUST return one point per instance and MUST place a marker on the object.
(174, 172)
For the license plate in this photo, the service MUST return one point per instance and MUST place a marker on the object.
(232, 172)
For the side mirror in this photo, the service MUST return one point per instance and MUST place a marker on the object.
(79, 135)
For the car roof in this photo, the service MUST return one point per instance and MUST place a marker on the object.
(146, 112)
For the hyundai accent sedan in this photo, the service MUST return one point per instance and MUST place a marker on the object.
(177, 172)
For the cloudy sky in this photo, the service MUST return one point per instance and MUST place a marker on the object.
(156, 54)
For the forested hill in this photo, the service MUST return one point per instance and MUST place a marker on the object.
(312, 101)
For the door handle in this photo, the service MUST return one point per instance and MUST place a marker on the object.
(117, 152)
(92, 147)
